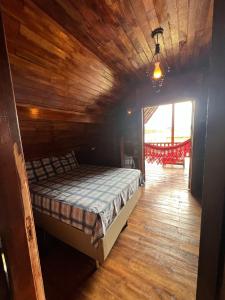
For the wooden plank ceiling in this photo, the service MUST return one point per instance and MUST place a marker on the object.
(83, 56)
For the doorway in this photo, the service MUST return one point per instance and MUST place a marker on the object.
(167, 141)
(175, 215)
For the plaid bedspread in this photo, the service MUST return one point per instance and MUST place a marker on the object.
(88, 197)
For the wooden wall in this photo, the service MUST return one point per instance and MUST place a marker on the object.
(131, 134)
(50, 67)
(42, 135)
(46, 132)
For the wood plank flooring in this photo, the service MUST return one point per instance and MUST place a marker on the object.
(155, 257)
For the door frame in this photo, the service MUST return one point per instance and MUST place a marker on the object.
(142, 128)
(17, 230)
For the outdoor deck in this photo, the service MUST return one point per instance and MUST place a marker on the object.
(155, 257)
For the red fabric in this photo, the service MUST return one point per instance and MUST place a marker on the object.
(165, 153)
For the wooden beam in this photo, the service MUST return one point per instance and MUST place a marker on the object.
(212, 232)
(43, 113)
(16, 220)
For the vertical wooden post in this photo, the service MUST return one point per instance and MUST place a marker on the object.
(140, 134)
(198, 142)
(173, 120)
(213, 203)
(16, 220)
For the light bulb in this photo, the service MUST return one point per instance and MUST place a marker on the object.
(157, 74)
(34, 112)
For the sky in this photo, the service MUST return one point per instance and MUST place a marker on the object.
(158, 128)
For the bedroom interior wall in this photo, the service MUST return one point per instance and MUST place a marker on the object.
(94, 143)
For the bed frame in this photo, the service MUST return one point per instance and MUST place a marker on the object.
(80, 240)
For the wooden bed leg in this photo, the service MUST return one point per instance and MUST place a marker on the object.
(97, 264)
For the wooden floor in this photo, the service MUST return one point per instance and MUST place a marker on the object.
(155, 257)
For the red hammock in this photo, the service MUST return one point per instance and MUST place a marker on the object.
(167, 153)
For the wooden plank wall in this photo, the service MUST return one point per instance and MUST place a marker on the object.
(51, 68)
(42, 137)
(51, 132)
(131, 133)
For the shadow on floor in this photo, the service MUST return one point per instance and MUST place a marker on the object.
(64, 269)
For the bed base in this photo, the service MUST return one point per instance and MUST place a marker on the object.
(80, 240)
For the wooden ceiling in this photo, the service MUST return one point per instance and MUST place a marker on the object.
(83, 56)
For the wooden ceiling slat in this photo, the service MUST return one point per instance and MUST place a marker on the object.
(174, 32)
(76, 25)
(26, 113)
(142, 21)
(148, 113)
(36, 72)
(54, 33)
(154, 22)
(84, 54)
(201, 21)
(130, 51)
(162, 15)
(105, 31)
(182, 7)
(134, 32)
(207, 32)
(29, 38)
(146, 22)
(192, 15)
(43, 90)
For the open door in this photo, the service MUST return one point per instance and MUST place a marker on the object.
(17, 229)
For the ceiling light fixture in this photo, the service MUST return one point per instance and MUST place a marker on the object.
(159, 67)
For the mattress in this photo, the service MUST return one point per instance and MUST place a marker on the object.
(88, 197)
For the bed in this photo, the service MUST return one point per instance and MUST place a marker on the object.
(85, 206)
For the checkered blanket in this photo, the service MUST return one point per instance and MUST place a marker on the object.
(88, 197)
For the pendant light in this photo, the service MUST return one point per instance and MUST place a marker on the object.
(159, 67)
